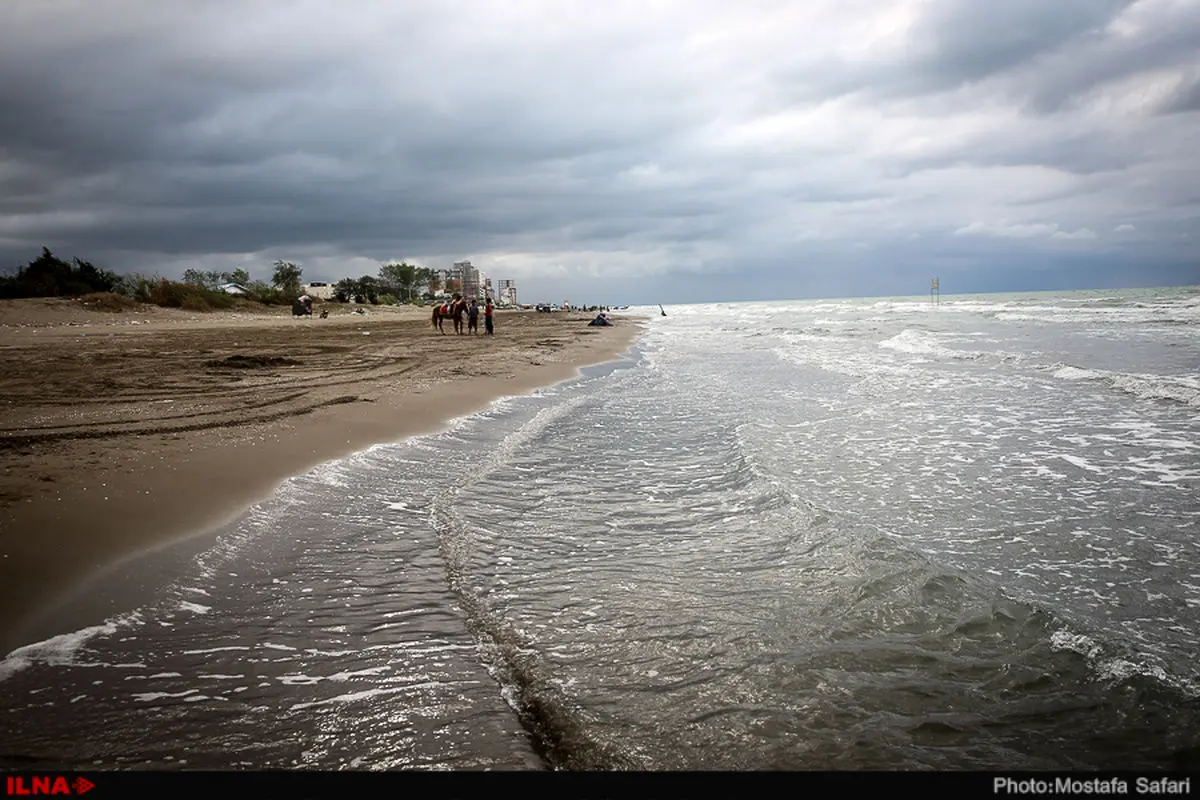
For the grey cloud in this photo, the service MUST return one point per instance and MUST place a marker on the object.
(964, 42)
(1081, 154)
(209, 132)
(1185, 99)
(956, 43)
(1170, 38)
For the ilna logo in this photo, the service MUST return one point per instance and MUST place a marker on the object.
(46, 784)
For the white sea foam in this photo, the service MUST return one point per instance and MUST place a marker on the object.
(195, 608)
(920, 343)
(340, 677)
(150, 697)
(1183, 389)
(1082, 463)
(1113, 667)
(363, 695)
(62, 650)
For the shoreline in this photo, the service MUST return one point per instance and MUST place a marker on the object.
(101, 492)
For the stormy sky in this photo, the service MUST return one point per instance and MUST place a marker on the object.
(615, 152)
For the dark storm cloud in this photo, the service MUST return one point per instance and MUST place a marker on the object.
(561, 140)
(966, 42)
(1081, 154)
(1185, 99)
(961, 42)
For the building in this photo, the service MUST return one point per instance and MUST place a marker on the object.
(471, 284)
(487, 288)
(319, 289)
(455, 274)
(507, 295)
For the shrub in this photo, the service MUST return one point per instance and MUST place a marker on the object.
(48, 276)
(135, 286)
(188, 296)
(108, 301)
(269, 295)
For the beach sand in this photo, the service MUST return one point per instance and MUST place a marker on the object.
(122, 431)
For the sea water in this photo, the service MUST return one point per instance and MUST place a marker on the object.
(839, 534)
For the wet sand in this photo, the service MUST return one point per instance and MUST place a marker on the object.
(123, 431)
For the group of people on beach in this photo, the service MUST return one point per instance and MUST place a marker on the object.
(473, 317)
(459, 306)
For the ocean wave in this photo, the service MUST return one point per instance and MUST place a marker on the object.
(918, 343)
(1114, 667)
(64, 649)
(1184, 389)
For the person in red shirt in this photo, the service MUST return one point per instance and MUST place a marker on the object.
(487, 318)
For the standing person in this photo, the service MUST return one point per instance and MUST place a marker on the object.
(473, 317)
(487, 318)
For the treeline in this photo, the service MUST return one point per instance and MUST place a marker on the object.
(199, 290)
(284, 287)
(50, 276)
(47, 276)
(396, 283)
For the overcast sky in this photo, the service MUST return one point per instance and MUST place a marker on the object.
(612, 152)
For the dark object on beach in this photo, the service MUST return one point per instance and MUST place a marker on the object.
(252, 362)
(600, 319)
(660, 308)
(302, 306)
(324, 313)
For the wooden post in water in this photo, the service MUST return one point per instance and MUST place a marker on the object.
(935, 294)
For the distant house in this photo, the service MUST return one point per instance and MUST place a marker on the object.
(232, 288)
(319, 289)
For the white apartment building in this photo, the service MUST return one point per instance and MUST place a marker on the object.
(471, 284)
(507, 294)
(319, 289)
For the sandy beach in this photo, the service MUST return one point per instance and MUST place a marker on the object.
(122, 431)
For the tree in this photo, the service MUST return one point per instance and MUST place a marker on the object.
(345, 289)
(238, 276)
(402, 277)
(205, 280)
(48, 276)
(368, 290)
(286, 277)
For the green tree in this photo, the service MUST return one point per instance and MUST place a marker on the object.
(205, 280)
(287, 278)
(238, 276)
(49, 276)
(368, 290)
(345, 289)
(263, 293)
(401, 277)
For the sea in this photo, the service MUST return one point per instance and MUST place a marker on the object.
(955, 533)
